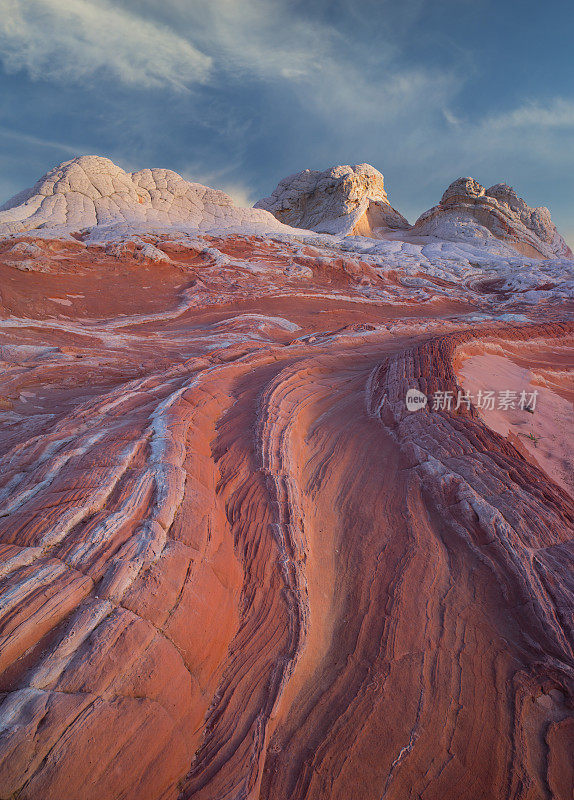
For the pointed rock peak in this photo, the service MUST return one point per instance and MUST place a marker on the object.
(506, 194)
(463, 187)
(341, 200)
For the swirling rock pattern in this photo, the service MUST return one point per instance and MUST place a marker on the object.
(234, 566)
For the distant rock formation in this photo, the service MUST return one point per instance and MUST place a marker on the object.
(467, 211)
(90, 190)
(344, 199)
(91, 193)
(352, 201)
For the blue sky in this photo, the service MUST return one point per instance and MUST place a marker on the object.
(240, 93)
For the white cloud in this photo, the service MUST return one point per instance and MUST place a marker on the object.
(72, 40)
(35, 141)
(541, 131)
(451, 118)
(557, 113)
(224, 178)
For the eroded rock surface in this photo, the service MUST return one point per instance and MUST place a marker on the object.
(342, 199)
(90, 190)
(468, 211)
(234, 565)
(352, 201)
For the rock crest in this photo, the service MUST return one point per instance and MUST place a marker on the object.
(468, 211)
(343, 199)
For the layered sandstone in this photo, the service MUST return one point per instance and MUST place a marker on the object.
(234, 565)
(468, 211)
(343, 199)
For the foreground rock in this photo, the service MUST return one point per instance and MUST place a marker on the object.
(234, 565)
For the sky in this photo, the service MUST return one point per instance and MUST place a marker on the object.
(237, 94)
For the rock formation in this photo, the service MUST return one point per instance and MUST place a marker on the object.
(89, 191)
(352, 201)
(347, 200)
(468, 211)
(233, 564)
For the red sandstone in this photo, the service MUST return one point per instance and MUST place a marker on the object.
(233, 565)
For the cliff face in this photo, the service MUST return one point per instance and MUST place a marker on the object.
(468, 211)
(233, 563)
(344, 199)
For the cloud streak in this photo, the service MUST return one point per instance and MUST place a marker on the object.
(543, 129)
(558, 113)
(71, 41)
(269, 87)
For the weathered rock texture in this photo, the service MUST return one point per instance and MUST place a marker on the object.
(352, 201)
(469, 211)
(91, 190)
(339, 200)
(233, 566)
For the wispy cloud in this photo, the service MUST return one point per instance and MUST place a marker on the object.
(262, 38)
(557, 113)
(179, 43)
(335, 76)
(541, 129)
(72, 40)
(241, 195)
(36, 141)
(224, 178)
